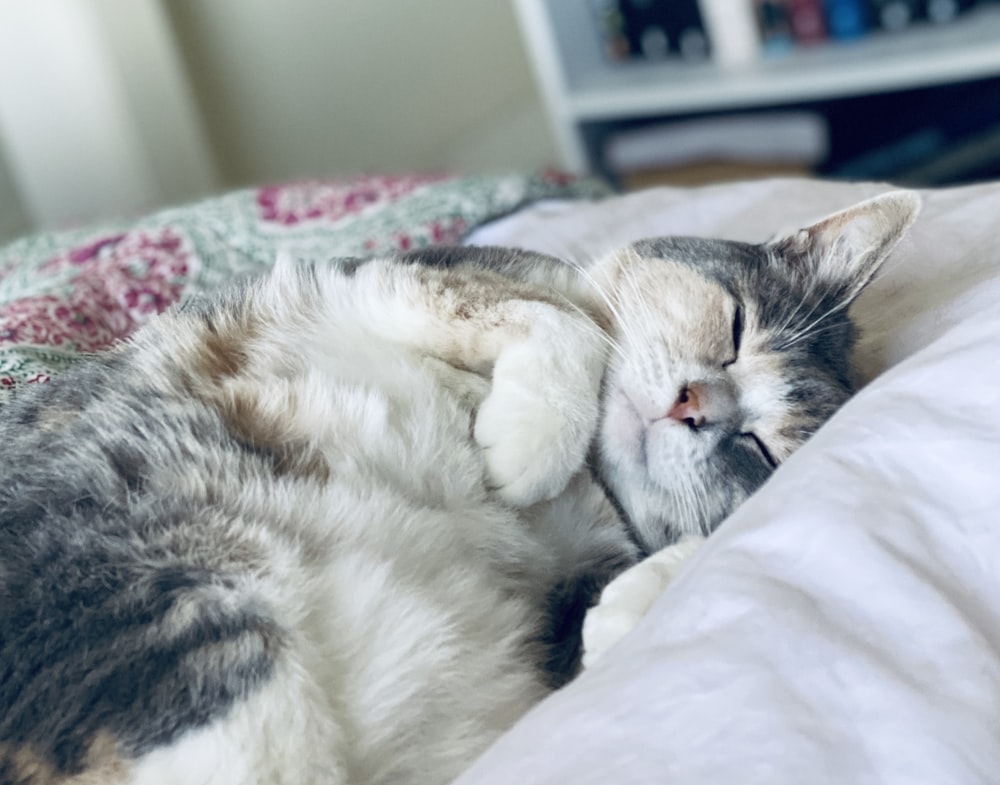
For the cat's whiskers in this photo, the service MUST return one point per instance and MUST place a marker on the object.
(691, 509)
(704, 527)
(589, 278)
(845, 302)
(802, 318)
(794, 315)
(819, 330)
(683, 505)
(805, 331)
(697, 511)
(645, 315)
(608, 340)
(627, 324)
(623, 324)
(643, 301)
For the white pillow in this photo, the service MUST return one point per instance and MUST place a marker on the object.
(844, 625)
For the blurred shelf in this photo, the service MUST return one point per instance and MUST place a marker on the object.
(581, 86)
(966, 49)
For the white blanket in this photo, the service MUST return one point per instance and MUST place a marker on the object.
(843, 626)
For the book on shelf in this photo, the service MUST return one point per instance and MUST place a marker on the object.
(847, 19)
(734, 33)
(787, 24)
(774, 26)
(943, 11)
(807, 21)
(894, 15)
(652, 30)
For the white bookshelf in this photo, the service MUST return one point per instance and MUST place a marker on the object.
(579, 85)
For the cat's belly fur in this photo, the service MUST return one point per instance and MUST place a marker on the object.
(417, 622)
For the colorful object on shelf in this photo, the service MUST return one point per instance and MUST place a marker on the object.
(652, 30)
(943, 11)
(775, 27)
(847, 19)
(894, 15)
(736, 32)
(807, 21)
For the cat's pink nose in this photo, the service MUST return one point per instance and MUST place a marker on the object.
(688, 408)
(706, 403)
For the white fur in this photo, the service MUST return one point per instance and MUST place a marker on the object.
(629, 597)
(536, 435)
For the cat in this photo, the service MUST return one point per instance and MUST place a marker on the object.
(341, 524)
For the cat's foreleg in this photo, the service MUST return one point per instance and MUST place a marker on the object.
(628, 598)
(544, 360)
(539, 418)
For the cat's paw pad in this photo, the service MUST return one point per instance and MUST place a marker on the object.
(628, 598)
(532, 446)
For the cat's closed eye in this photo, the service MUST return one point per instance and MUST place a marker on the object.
(737, 335)
(761, 448)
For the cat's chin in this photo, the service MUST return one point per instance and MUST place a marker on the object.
(644, 465)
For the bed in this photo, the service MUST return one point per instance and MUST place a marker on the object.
(842, 626)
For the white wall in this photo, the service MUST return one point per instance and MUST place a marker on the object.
(63, 117)
(161, 99)
(303, 87)
(111, 107)
(95, 116)
(13, 219)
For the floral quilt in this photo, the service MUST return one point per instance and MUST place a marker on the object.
(66, 294)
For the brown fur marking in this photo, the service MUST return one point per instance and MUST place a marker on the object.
(265, 431)
(222, 359)
(102, 765)
(221, 353)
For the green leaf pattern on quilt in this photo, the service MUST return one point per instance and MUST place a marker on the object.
(66, 294)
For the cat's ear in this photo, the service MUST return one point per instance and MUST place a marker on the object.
(846, 249)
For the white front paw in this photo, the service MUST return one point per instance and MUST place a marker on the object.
(628, 598)
(532, 445)
(537, 423)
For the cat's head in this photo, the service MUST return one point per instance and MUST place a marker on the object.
(730, 356)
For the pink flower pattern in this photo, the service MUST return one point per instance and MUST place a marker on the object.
(332, 200)
(118, 283)
(100, 286)
(447, 231)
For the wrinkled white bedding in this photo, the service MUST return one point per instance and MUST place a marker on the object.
(844, 625)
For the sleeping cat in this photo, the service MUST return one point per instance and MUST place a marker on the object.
(341, 524)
